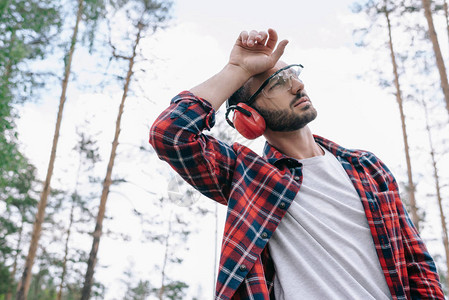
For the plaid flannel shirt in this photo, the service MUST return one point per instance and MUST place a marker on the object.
(258, 191)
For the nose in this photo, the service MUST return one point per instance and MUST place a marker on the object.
(297, 85)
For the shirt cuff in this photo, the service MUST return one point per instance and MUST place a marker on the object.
(188, 99)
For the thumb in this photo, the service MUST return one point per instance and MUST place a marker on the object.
(279, 50)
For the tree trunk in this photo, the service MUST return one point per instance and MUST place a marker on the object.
(437, 51)
(37, 227)
(438, 191)
(413, 208)
(66, 253)
(88, 280)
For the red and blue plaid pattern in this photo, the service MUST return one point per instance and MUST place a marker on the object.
(258, 191)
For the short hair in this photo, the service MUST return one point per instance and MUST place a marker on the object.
(241, 95)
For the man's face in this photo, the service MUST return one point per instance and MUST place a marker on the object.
(284, 104)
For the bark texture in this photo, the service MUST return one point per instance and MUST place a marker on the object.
(437, 51)
(88, 280)
(25, 281)
(411, 184)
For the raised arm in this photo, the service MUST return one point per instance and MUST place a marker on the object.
(177, 134)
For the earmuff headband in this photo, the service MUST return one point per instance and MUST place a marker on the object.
(238, 108)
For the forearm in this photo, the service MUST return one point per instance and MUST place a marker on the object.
(222, 85)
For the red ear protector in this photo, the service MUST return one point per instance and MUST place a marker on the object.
(246, 120)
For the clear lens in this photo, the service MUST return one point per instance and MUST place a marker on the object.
(281, 82)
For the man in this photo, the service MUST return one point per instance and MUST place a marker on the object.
(310, 219)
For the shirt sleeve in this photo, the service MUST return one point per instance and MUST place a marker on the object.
(423, 277)
(203, 161)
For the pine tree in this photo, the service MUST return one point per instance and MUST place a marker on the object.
(375, 10)
(437, 51)
(26, 31)
(87, 8)
(87, 151)
(146, 16)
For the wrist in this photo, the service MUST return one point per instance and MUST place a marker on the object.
(222, 85)
(238, 72)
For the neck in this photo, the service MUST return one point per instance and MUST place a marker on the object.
(298, 144)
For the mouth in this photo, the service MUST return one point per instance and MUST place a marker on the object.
(301, 100)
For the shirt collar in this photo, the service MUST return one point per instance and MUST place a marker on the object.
(275, 157)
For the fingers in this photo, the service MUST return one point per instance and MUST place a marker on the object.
(279, 50)
(271, 43)
(263, 39)
(273, 38)
(253, 38)
(243, 38)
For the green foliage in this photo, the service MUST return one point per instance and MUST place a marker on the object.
(72, 292)
(94, 11)
(175, 290)
(5, 279)
(140, 291)
(25, 31)
(145, 16)
(16, 185)
(87, 149)
(68, 214)
(16, 193)
(42, 285)
(24, 34)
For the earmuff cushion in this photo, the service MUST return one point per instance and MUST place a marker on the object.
(251, 127)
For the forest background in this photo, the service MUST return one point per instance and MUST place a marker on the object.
(81, 82)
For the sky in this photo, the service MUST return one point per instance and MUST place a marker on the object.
(351, 112)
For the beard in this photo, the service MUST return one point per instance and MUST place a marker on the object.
(286, 119)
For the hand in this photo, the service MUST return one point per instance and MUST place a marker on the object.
(255, 52)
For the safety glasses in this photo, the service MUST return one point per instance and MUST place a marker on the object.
(278, 82)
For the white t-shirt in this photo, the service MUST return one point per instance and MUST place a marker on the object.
(323, 248)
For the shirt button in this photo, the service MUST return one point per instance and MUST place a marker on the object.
(264, 235)
(242, 268)
(383, 242)
(282, 205)
(296, 178)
